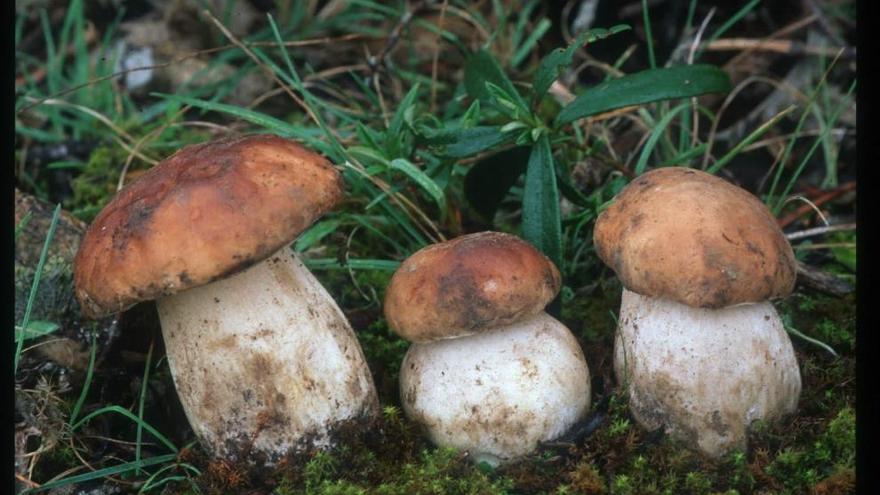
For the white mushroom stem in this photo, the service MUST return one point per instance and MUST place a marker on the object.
(499, 393)
(264, 360)
(705, 374)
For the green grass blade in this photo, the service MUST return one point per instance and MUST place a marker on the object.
(825, 131)
(684, 156)
(752, 137)
(646, 19)
(543, 26)
(655, 136)
(87, 383)
(651, 85)
(35, 329)
(141, 401)
(128, 414)
(315, 233)
(742, 12)
(422, 179)
(36, 283)
(270, 123)
(353, 263)
(101, 473)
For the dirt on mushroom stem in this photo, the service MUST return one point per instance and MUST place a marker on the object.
(264, 359)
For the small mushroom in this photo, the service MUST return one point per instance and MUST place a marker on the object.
(262, 357)
(700, 349)
(489, 371)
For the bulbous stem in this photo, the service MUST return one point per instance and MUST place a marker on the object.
(704, 374)
(498, 393)
(264, 360)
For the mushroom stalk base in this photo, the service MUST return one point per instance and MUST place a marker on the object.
(264, 361)
(497, 394)
(704, 374)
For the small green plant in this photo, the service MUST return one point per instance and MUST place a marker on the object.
(740, 476)
(618, 427)
(622, 485)
(516, 119)
(697, 483)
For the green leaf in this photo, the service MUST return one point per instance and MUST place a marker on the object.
(422, 179)
(269, 123)
(467, 142)
(472, 115)
(647, 86)
(556, 61)
(354, 264)
(35, 328)
(315, 233)
(537, 33)
(542, 225)
(397, 121)
(101, 473)
(656, 134)
(506, 102)
(481, 68)
(25, 323)
(368, 154)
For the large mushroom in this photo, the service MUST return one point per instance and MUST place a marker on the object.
(489, 371)
(700, 349)
(262, 357)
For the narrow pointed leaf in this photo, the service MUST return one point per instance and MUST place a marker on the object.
(466, 142)
(480, 68)
(556, 61)
(422, 179)
(682, 81)
(399, 116)
(542, 225)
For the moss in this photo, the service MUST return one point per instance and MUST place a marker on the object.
(96, 183)
(827, 318)
(586, 479)
(802, 467)
(384, 455)
(442, 471)
(384, 352)
(592, 316)
(697, 483)
(437, 471)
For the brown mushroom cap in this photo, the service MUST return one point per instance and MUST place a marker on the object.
(689, 236)
(468, 284)
(204, 213)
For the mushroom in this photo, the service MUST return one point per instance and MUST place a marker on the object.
(489, 371)
(262, 357)
(700, 349)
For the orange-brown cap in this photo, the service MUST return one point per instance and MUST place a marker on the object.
(689, 236)
(468, 284)
(204, 213)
